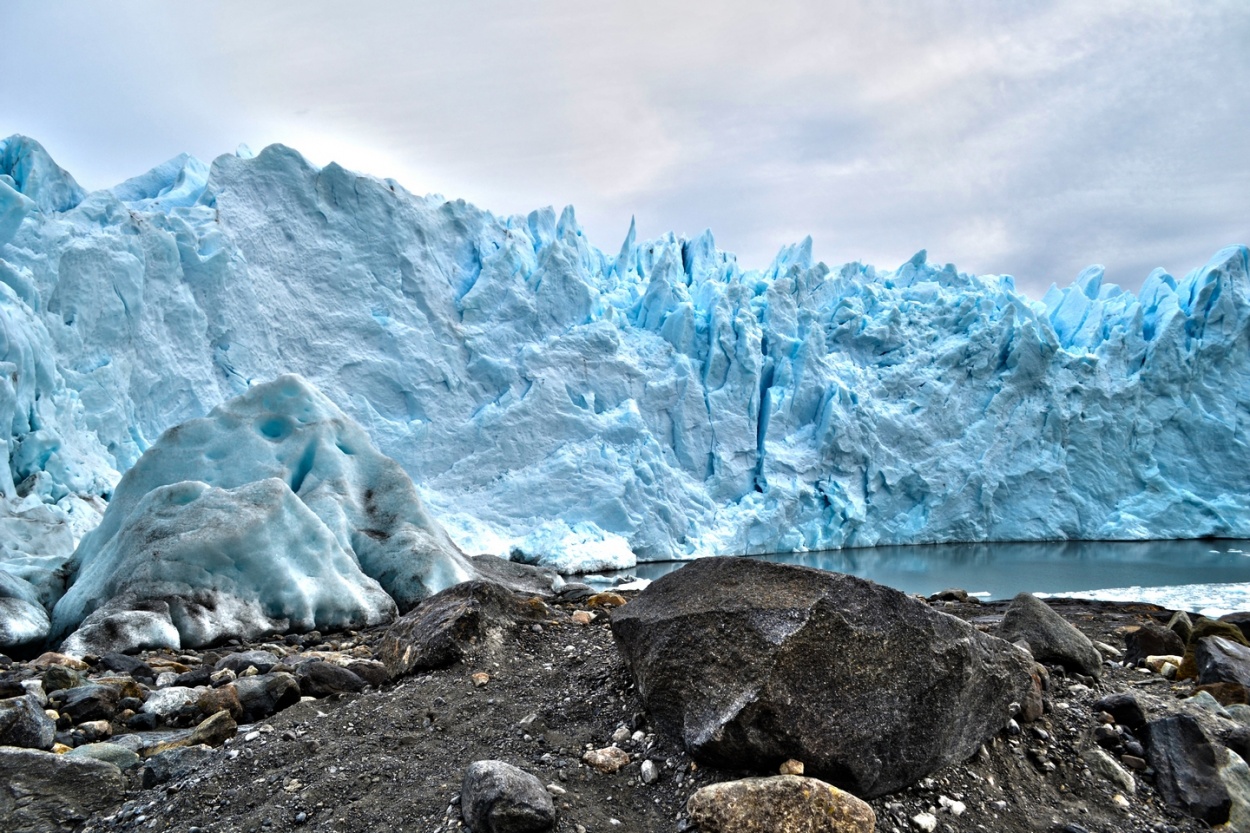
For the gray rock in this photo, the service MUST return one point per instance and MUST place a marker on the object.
(1235, 775)
(1181, 625)
(266, 694)
(174, 765)
(449, 625)
(1219, 660)
(41, 792)
(496, 797)
(87, 702)
(789, 803)
(751, 664)
(113, 753)
(262, 661)
(1151, 640)
(59, 677)
(1107, 767)
(126, 664)
(321, 679)
(1124, 707)
(1186, 772)
(23, 723)
(164, 702)
(22, 622)
(1051, 638)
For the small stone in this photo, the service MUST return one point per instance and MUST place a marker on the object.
(620, 735)
(1120, 801)
(480, 679)
(926, 822)
(606, 760)
(556, 789)
(220, 678)
(45, 661)
(606, 599)
(583, 617)
(650, 772)
(781, 803)
(952, 806)
(791, 767)
(95, 730)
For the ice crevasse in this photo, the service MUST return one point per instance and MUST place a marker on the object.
(552, 398)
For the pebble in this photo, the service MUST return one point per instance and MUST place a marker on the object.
(950, 805)
(650, 773)
(480, 679)
(606, 760)
(791, 767)
(925, 821)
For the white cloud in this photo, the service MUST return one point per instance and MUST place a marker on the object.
(1023, 138)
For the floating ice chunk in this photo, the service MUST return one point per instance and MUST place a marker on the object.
(578, 548)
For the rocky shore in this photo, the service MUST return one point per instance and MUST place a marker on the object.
(485, 709)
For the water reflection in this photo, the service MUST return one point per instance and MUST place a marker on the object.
(1002, 570)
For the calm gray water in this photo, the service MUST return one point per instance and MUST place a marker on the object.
(1002, 570)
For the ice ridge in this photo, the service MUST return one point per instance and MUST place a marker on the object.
(662, 395)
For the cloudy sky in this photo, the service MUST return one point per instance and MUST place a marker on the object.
(1024, 138)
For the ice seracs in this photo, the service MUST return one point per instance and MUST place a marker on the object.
(662, 395)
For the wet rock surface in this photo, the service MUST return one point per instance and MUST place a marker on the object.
(395, 756)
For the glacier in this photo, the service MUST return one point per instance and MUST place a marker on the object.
(545, 394)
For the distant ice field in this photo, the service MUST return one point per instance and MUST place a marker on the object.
(1209, 576)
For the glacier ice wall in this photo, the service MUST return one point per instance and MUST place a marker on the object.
(662, 394)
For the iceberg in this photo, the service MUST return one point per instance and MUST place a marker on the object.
(272, 513)
(662, 395)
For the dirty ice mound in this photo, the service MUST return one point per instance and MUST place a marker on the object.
(274, 512)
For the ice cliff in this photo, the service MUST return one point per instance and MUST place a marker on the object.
(547, 396)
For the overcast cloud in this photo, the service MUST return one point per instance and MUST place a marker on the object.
(1023, 138)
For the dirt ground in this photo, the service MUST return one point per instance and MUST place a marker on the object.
(393, 759)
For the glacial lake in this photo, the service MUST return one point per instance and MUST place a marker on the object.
(1211, 576)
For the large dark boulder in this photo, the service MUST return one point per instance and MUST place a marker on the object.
(323, 679)
(1186, 768)
(1051, 638)
(1219, 660)
(1151, 640)
(1204, 629)
(447, 626)
(751, 663)
(41, 792)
